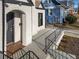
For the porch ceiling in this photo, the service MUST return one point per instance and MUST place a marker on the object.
(29, 3)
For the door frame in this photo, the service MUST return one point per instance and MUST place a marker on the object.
(21, 29)
(12, 26)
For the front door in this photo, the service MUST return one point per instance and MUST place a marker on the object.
(10, 27)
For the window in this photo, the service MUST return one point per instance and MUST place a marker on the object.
(50, 12)
(40, 19)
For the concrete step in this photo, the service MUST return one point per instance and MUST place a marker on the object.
(37, 46)
(61, 55)
(40, 39)
(40, 53)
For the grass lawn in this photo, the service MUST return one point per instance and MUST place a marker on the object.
(75, 25)
(72, 26)
(69, 26)
(70, 45)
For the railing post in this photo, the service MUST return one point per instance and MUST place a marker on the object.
(29, 54)
(46, 45)
(55, 36)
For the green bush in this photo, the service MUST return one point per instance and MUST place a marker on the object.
(71, 19)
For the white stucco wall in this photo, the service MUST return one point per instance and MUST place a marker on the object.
(17, 27)
(35, 27)
(30, 21)
(0, 25)
(27, 34)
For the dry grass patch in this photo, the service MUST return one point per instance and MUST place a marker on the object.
(70, 45)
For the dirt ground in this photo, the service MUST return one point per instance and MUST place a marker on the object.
(70, 45)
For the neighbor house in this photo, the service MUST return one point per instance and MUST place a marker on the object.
(69, 6)
(54, 12)
(23, 19)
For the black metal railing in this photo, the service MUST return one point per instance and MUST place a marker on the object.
(53, 36)
(51, 47)
(29, 55)
(21, 54)
(61, 52)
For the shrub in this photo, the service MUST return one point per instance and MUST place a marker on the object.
(71, 19)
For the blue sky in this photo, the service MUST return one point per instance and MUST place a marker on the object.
(76, 3)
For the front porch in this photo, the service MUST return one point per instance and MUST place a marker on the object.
(37, 45)
(14, 47)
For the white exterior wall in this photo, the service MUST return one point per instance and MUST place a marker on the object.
(27, 34)
(30, 21)
(0, 25)
(22, 0)
(17, 28)
(35, 27)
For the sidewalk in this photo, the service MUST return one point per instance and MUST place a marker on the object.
(38, 43)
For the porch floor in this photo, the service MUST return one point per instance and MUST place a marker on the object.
(14, 47)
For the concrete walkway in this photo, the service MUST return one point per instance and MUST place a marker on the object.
(38, 44)
(39, 38)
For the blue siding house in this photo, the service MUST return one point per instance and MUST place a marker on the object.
(54, 12)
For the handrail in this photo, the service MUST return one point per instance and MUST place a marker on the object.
(29, 54)
(57, 52)
(51, 33)
(55, 36)
(35, 54)
(57, 46)
(49, 43)
(24, 54)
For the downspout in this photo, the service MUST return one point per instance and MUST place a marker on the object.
(31, 21)
(3, 26)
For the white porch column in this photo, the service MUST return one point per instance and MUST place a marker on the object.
(26, 30)
(5, 42)
(1, 25)
(17, 27)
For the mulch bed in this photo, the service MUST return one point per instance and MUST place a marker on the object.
(70, 45)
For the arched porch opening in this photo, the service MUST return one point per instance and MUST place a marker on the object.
(14, 29)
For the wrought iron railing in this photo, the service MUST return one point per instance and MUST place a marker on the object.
(21, 54)
(53, 36)
(29, 55)
(61, 52)
(51, 46)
